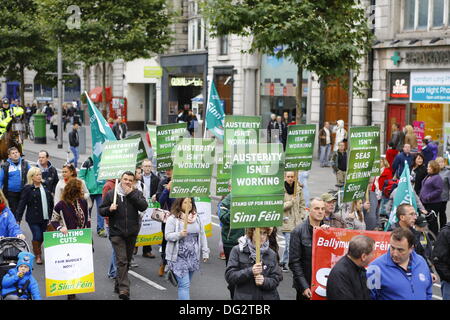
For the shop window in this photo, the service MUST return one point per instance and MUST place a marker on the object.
(425, 14)
(434, 115)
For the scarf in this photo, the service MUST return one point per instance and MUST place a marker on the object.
(289, 188)
(44, 202)
(245, 241)
(2, 207)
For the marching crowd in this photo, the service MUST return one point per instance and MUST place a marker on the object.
(406, 271)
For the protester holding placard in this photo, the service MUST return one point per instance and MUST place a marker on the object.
(294, 213)
(185, 247)
(300, 252)
(347, 279)
(71, 212)
(38, 202)
(251, 280)
(124, 225)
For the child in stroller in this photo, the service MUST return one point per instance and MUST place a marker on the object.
(16, 264)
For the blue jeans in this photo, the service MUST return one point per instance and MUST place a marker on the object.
(38, 229)
(112, 271)
(445, 288)
(324, 154)
(184, 284)
(97, 199)
(287, 238)
(76, 155)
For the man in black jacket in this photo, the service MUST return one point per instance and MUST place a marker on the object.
(49, 173)
(441, 259)
(123, 227)
(300, 249)
(347, 279)
(74, 142)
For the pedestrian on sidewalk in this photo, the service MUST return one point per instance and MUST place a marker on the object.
(54, 124)
(339, 164)
(88, 175)
(71, 212)
(294, 213)
(444, 173)
(38, 201)
(325, 142)
(68, 173)
(49, 173)
(185, 248)
(251, 280)
(348, 279)
(124, 225)
(74, 142)
(120, 129)
(13, 177)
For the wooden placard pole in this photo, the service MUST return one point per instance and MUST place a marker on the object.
(257, 236)
(295, 183)
(115, 191)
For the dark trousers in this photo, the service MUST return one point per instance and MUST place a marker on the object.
(13, 201)
(431, 219)
(163, 245)
(227, 251)
(442, 214)
(123, 248)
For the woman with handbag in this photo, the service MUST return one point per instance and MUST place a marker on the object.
(38, 202)
(71, 212)
(185, 246)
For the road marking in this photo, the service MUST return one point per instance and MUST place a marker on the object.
(153, 284)
(437, 297)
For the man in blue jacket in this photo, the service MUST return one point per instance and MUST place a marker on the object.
(13, 177)
(399, 161)
(400, 274)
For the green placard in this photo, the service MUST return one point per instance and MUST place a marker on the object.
(167, 137)
(258, 187)
(223, 176)
(362, 138)
(300, 147)
(193, 165)
(142, 153)
(358, 174)
(240, 131)
(118, 157)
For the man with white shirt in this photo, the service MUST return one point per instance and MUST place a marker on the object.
(325, 144)
(151, 182)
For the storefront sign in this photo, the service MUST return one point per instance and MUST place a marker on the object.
(428, 57)
(153, 72)
(399, 85)
(331, 245)
(69, 263)
(362, 138)
(430, 86)
(118, 157)
(359, 170)
(258, 187)
(419, 130)
(192, 168)
(184, 82)
(300, 147)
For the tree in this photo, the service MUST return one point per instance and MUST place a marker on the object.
(108, 30)
(327, 37)
(23, 44)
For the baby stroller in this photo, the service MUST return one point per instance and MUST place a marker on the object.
(9, 251)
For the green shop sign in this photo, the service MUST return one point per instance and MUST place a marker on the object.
(300, 147)
(358, 173)
(193, 165)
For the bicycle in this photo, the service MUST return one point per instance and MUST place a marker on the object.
(29, 129)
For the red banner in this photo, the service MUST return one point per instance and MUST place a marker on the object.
(331, 245)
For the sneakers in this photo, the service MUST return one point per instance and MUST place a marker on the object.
(133, 264)
(101, 233)
(284, 267)
(222, 256)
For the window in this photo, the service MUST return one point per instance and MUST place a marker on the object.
(196, 34)
(223, 45)
(425, 14)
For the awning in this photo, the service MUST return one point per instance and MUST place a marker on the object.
(198, 98)
(96, 94)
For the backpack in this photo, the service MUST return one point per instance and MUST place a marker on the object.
(388, 187)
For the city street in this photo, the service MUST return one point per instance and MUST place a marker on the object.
(145, 282)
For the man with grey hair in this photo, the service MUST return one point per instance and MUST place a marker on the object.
(347, 279)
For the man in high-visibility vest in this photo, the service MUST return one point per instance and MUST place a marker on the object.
(7, 113)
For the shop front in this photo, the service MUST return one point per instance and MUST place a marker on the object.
(183, 81)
